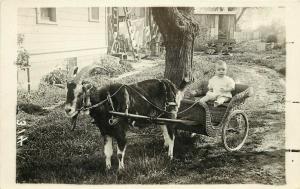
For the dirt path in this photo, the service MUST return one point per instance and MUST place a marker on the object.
(268, 86)
(268, 101)
(262, 159)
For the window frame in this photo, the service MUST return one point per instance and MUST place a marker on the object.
(40, 20)
(90, 15)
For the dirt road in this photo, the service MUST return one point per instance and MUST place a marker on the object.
(262, 159)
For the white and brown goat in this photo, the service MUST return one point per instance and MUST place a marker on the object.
(161, 93)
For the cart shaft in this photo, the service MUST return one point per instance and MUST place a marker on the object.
(157, 120)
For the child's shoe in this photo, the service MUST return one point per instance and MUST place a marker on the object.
(216, 104)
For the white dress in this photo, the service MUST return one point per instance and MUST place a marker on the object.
(216, 83)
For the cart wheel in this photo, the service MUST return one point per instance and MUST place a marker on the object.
(235, 131)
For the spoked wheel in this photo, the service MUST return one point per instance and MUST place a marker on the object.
(235, 131)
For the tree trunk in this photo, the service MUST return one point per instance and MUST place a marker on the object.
(179, 30)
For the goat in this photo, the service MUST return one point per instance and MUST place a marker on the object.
(123, 98)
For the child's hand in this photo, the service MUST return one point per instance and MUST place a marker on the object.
(193, 93)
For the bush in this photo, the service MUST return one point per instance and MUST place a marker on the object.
(271, 38)
(23, 55)
(57, 76)
(282, 71)
(112, 66)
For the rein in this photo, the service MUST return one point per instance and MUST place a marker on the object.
(108, 99)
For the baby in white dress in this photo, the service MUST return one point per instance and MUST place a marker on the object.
(219, 86)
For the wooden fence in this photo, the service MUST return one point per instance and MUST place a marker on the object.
(246, 36)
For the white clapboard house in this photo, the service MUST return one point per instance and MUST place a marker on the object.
(56, 37)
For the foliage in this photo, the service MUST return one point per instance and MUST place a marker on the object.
(22, 54)
(112, 66)
(109, 67)
(271, 32)
(57, 76)
(272, 38)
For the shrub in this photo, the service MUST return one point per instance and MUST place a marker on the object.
(112, 66)
(23, 55)
(282, 71)
(272, 38)
(57, 76)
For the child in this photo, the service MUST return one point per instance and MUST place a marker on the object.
(219, 86)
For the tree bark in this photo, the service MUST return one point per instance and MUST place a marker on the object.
(178, 29)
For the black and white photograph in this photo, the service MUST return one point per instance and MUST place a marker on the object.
(151, 95)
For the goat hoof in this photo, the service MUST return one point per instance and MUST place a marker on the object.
(121, 170)
(108, 170)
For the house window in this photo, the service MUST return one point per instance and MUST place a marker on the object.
(46, 16)
(94, 14)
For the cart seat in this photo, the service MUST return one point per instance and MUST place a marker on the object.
(203, 89)
(189, 110)
(217, 113)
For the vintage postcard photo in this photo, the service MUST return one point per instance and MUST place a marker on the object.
(151, 95)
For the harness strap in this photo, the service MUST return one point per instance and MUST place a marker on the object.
(148, 101)
(141, 95)
(100, 103)
(110, 101)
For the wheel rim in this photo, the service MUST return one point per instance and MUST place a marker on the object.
(235, 131)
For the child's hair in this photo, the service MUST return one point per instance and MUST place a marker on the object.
(220, 63)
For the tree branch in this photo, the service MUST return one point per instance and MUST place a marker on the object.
(241, 14)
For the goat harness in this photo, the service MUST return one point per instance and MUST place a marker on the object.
(112, 121)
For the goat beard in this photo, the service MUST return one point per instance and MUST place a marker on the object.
(73, 122)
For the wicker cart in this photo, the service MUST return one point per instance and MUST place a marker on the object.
(228, 120)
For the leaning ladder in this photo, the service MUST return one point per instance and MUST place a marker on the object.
(131, 34)
(115, 27)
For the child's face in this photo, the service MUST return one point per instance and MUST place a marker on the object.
(221, 70)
